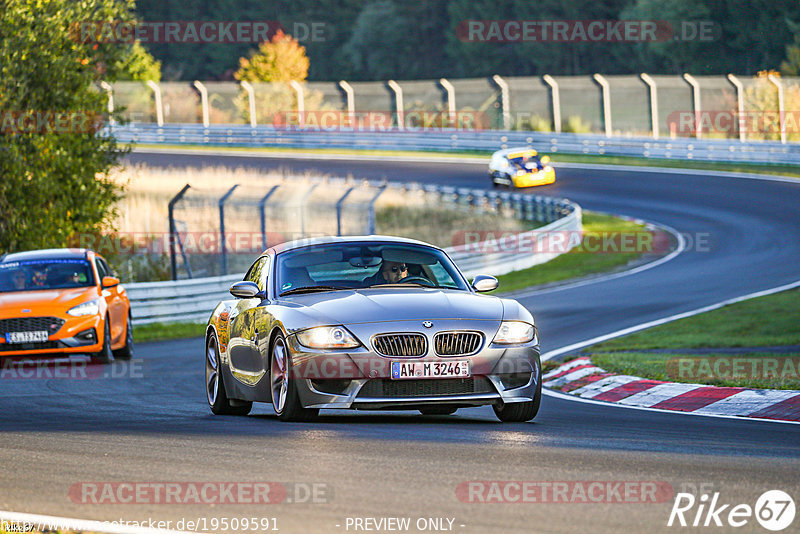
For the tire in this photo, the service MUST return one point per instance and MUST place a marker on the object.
(283, 387)
(438, 410)
(216, 396)
(520, 412)
(105, 355)
(126, 352)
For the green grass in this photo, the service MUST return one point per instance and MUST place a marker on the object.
(765, 321)
(778, 170)
(576, 263)
(162, 331)
(773, 320)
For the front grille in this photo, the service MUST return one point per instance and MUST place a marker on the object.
(432, 387)
(457, 343)
(31, 324)
(5, 347)
(400, 344)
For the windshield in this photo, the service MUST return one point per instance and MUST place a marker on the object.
(31, 275)
(365, 265)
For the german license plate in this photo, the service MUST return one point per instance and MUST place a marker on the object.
(447, 369)
(27, 337)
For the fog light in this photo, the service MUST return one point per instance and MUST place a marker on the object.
(88, 337)
(515, 380)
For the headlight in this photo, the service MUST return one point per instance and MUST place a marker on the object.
(513, 332)
(327, 337)
(87, 308)
(521, 173)
(548, 168)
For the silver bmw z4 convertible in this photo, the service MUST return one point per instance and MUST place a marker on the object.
(370, 323)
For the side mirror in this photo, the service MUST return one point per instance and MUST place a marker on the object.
(483, 283)
(545, 160)
(109, 281)
(245, 290)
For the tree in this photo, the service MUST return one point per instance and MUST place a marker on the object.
(281, 59)
(791, 65)
(54, 162)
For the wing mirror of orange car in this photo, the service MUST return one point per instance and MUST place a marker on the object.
(109, 281)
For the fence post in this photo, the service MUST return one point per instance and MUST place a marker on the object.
(371, 213)
(651, 83)
(173, 262)
(110, 92)
(339, 210)
(203, 101)
(159, 107)
(781, 105)
(556, 97)
(606, 92)
(504, 101)
(251, 100)
(301, 104)
(695, 103)
(222, 227)
(263, 214)
(739, 106)
(351, 102)
(303, 203)
(398, 101)
(451, 99)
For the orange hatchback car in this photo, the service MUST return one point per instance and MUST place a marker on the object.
(63, 301)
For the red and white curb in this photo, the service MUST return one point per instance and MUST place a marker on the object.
(580, 377)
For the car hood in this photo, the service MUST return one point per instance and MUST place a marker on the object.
(406, 304)
(46, 302)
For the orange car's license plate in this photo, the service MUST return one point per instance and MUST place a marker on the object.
(26, 337)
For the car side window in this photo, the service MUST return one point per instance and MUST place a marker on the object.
(109, 270)
(258, 272)
(101, 269)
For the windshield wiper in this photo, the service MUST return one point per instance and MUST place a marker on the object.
(311, 289)
(411, 284)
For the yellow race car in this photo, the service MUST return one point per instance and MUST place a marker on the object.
(520, 167)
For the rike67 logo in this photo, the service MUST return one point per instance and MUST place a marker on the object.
(774, 510)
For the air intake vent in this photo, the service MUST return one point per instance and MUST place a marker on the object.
(407, 345)
(457, 343)
(429, 387)
(31, 324)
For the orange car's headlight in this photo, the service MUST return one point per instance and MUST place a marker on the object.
(91, 307)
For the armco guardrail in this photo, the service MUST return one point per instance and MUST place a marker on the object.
(193, 300)
(182, 300)
(445, 140)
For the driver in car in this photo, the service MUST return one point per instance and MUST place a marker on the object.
(391, 272)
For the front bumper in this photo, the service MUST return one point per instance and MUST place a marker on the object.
(360, 379)
(535, 178)
(72, 338)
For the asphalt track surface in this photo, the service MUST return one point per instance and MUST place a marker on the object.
(153, 425)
